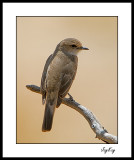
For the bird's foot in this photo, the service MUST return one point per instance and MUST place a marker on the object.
(70, 97)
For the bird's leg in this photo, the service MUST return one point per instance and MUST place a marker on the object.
(70, 97)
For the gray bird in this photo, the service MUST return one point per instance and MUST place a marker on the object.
(57, 77)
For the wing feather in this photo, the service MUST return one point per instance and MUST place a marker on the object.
(42, 87)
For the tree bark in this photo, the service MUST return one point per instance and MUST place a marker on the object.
(98, 129)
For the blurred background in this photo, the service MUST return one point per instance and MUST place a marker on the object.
(95, 84)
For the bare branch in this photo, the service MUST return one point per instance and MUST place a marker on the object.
(98, 129)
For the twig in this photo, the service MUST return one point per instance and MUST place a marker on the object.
(98, 129)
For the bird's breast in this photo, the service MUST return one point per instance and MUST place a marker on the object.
(60, 65)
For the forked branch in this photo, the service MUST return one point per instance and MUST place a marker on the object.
(98, 129)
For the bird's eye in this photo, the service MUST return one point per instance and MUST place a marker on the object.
(73, 46)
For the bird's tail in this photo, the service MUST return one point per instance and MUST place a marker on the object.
(51, 102)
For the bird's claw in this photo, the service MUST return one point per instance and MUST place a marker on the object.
(70, 97)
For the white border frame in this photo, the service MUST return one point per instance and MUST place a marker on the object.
(10, 11)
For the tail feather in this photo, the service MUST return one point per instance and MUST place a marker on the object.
(49, 113)
(43, 98)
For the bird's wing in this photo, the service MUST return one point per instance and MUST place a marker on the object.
(42, 87)
(48, 61)
(66, 84)
(45, 72)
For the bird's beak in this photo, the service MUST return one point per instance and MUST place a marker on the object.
(83, 48)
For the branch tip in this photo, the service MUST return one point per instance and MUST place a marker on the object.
(103, 134)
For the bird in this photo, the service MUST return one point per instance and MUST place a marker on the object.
(57, 77)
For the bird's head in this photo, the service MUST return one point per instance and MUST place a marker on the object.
(71, 46)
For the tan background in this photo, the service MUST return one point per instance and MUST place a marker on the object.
(95, 85)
